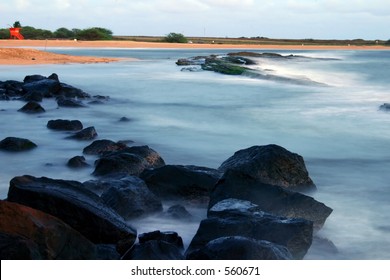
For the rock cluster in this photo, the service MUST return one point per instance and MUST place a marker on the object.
(257, 201)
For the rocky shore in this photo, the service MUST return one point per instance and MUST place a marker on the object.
(258, 201)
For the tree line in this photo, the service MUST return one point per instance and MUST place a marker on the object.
(29, 32)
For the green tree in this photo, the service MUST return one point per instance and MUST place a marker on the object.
(175, 38)
(17, 24)
(387, 43)
(4, 33)
(64, 33)
(94, 33)
(30, 32)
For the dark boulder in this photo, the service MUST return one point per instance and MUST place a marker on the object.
(154, 250)
(16, 247)
(12, 88)
(124, 119)
(68, 91)
(33, 96)
(131, 161)
(107, 252)
(240, 248)
(178, 212)
(47, 87)
(101, 146)
(77, 162)
(167, 236)
(273, 199)
(14, 144)
(177, 181)
(88, 133)
(223, 66)
(385, 107)
(120, 163)
(33, 78)
(294, 234)
(38, 235)
(69, 102)
(71, 202)
(153, 158)
(32, 107)
(131, 198)
(272, 165)
(66, 125)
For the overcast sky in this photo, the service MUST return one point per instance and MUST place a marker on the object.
(304, 19)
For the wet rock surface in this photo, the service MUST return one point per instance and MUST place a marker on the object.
(71, 202)
(15, 144)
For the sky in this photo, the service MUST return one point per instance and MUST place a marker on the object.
(296, 19)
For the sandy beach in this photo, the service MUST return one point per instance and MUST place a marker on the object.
(23, 52)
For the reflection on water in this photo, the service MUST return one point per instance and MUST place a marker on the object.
(202, 118)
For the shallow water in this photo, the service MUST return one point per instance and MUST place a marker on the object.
(202, 118)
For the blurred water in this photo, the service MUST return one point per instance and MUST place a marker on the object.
(202, 118)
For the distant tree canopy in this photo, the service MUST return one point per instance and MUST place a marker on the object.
(29, 32)
(387, 43)
(17, 24)
(175, 38)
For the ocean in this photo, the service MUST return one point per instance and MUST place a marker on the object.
(323, 105)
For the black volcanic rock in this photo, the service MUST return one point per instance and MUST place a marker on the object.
(272, 165)
(178, 181)
(131, 161)
(294, 234)
(167, 236)
(32, 107)
(27, 233)
(14, 144)
(69, 102)
(240, 248)
(101, 146)
(66, 125)
(88, 133)
(77, 162)
(47, 87)
(71, 202)
(273, 199)
(131, 198)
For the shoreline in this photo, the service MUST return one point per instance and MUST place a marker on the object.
(137, 44)
(33, 52)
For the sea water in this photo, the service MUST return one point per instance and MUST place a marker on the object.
(323, 105)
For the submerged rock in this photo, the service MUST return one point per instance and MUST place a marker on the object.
(66, 125)
(166, 236)
(77, 162)
(14, 144)
(101, 146)
(32, 107)
(240, 248)
(273, 199)
(272, 165)
(185, 182)
(178, 212)
(294, 234)
(385, 107)
(71, 202)
(88, 133)
(130, 161)
(26, 233)
(69, 102)
(131, 199)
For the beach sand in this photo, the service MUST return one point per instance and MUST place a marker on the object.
(17, 52)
